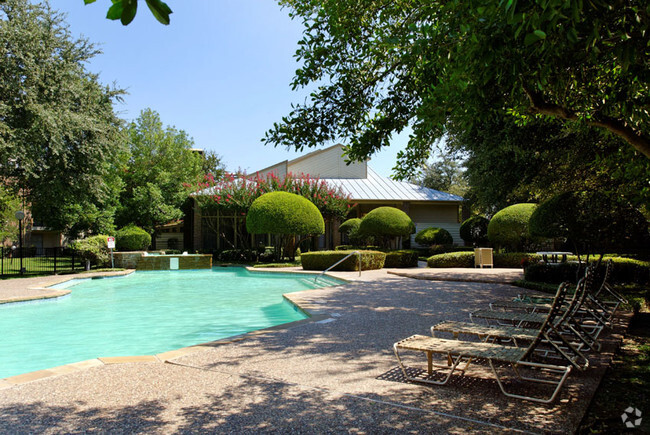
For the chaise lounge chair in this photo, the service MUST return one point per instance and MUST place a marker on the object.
(457, 352)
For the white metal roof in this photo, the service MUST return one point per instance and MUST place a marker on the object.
(378, 188)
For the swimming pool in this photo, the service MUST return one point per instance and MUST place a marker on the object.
(144, 313)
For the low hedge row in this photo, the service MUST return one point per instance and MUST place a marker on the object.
(626, 270)
(466, 259)
(321, 260)
(401, 259)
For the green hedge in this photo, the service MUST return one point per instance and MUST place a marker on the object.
(452, 259)
(321, 260)
(509, 227)
(132, 238)
(443, 249)
(515, 259)
(466, 259)
(386, 222)
(474, 230)
(402, 258)
(626, 270)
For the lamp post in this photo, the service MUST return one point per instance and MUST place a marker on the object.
(20, 215)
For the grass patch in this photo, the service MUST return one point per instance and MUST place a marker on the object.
(626, 383)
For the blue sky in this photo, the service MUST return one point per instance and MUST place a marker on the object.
(220, 71)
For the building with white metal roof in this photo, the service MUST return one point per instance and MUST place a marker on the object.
(426, 207)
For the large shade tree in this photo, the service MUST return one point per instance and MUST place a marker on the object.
(60, 140)
(160, 160)
(382, 66)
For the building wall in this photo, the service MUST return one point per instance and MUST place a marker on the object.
(328, 164)
(436, 215)
(280, 170)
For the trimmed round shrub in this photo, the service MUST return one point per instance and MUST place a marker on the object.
(321, 260)
(402, 258)
(474, 230)
(452, 259)
(433, 236)
(509, 227)
(132, 238)
(94, 249)
(350, 226)
(284, 213)
(386, 222)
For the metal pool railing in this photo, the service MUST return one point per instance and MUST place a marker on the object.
(341, 261)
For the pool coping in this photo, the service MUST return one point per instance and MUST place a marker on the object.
(308, 309)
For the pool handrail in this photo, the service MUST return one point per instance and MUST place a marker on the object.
(341, 261)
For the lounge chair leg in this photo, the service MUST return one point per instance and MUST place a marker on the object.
(564, 371)
(429, 381)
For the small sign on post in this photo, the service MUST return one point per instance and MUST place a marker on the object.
(110, 242)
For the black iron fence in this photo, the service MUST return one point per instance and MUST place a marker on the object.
(38, 261)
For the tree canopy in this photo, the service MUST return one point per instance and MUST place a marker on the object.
(380, 67)
(161, 159)
(60, 140)
(125, 10)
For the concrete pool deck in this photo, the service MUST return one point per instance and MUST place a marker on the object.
(336, 373)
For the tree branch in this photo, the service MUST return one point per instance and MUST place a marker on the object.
(632, 136)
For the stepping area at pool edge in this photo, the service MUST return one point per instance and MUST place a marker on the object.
(339, 374)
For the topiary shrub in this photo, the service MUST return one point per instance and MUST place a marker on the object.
(433, 236)
(350, 227)
(452, 259)
(321, 260)
(509, 227)
(474, 230)
(385, 223)
(94, 250)
(132, 238)
(286, 215)
(401, 259)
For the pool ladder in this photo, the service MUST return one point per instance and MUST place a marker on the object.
(358, 253)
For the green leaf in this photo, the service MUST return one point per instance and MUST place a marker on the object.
(533, 37)
(87, 2)
(572, 35)
(160, 10)
(115, 11)
(130, 9)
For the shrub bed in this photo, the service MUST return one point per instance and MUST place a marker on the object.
(443, 249)
(321, 260)
(515, 259)
(626, 270)
(452, 259)
(402, 258)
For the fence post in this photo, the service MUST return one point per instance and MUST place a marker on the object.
(55, 249)
(72, 250)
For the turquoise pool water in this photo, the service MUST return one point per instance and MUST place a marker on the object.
(144, 313)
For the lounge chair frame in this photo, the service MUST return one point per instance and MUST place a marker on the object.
(457, 351)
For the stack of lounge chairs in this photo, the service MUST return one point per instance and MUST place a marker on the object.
(546, 337)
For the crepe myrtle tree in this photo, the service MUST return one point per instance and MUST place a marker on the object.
(287, 216)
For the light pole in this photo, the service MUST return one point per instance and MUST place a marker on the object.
(20, 215)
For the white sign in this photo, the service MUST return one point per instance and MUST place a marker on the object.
(110, 241)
